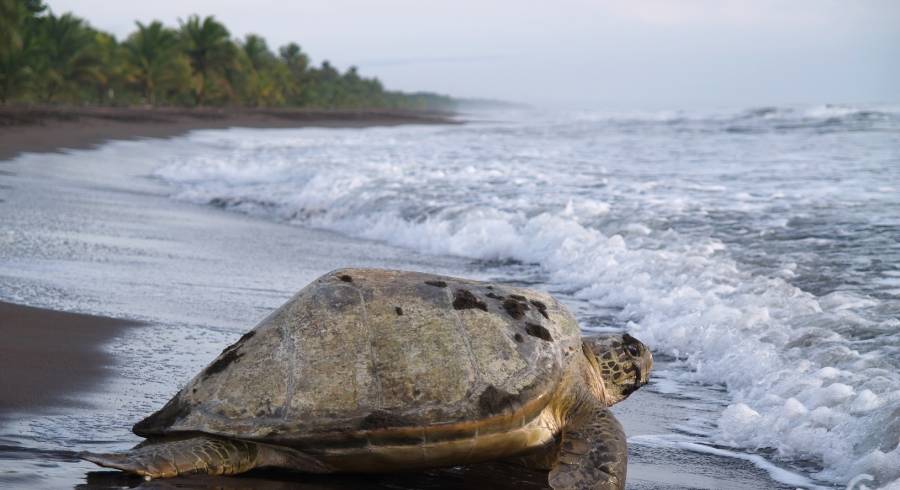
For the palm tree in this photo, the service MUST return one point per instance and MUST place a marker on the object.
(327, 81)
(11, 17)
(61, 58)
(14, 14)
(18, 45)
(153, 61)
(297, 76)
(109, 53)
(67, 59)
(294, 58)
(15, 68)
(257, 52)
(209, 48)
(263, 76)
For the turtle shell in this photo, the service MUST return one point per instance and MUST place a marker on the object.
(360, 352)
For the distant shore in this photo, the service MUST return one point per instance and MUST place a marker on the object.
(52, 128)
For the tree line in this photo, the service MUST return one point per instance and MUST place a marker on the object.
(60, 59)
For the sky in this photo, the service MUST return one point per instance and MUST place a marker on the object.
(629, 54)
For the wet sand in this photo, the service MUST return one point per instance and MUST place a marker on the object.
(48, 357)
(46, 129)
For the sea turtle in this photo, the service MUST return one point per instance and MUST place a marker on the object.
(369, 370)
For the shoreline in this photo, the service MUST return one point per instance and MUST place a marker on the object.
(49, 357)
(43, 129)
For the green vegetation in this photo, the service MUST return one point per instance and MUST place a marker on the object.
(60, 59)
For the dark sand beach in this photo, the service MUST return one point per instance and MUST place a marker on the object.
(87, 231)
(50, 128)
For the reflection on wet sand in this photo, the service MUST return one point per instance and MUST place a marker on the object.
(492, 475)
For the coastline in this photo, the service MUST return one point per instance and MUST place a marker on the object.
(54, 128)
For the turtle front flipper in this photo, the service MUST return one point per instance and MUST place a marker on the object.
(593, 453)
(206, 455)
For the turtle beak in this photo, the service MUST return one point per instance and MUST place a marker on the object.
(642, 366)
(628, 390)
(641, 378)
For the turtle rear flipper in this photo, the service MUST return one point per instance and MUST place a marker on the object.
(205, 455)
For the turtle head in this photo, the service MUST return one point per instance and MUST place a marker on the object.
(624, 363)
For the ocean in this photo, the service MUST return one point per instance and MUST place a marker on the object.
(756, 251)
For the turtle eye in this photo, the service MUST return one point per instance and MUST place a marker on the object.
(633, 350)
